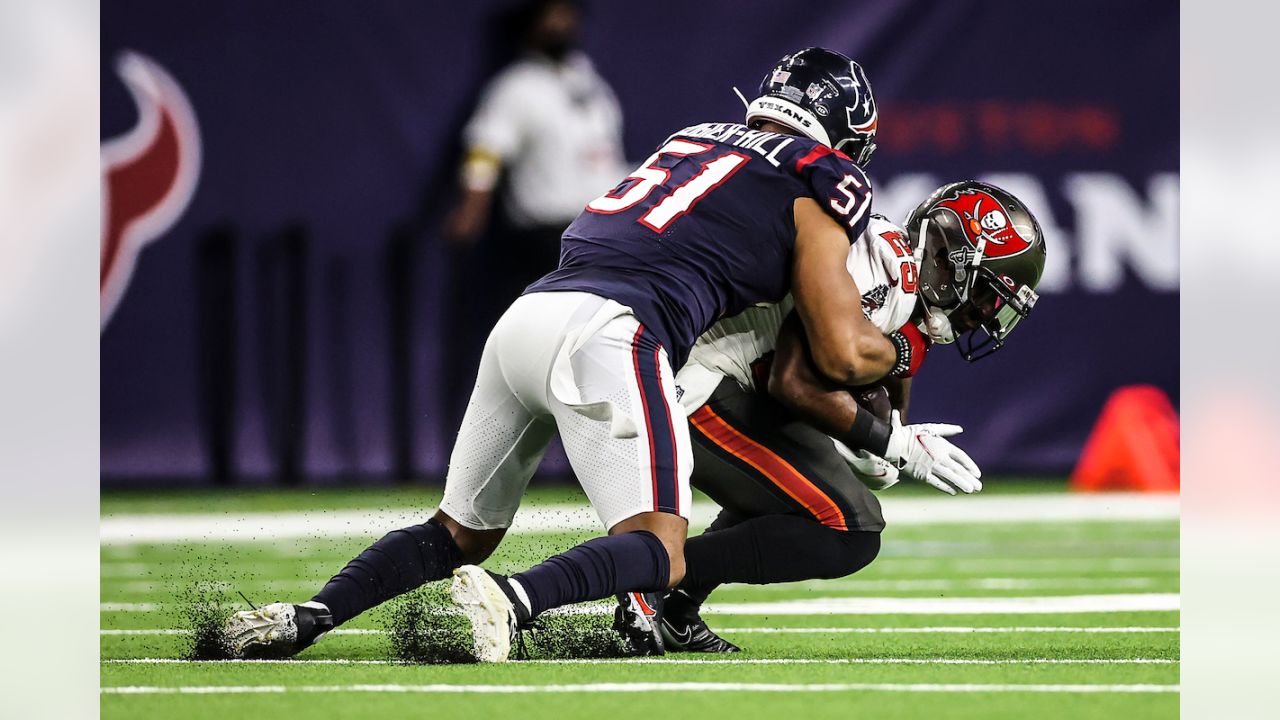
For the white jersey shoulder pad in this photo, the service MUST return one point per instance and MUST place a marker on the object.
(882, 265)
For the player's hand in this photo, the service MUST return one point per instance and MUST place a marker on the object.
(872, 470)
(923, 453)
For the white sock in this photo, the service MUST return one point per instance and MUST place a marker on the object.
(314, 605)
(521, 595)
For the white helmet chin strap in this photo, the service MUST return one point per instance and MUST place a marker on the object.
(938, 326)
(919, 253)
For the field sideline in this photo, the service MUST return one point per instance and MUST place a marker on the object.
(1041, 604)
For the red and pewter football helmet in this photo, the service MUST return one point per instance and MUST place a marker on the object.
(981, 254)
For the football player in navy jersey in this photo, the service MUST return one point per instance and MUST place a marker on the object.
(720, 218)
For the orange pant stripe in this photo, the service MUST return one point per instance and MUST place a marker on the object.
(780, 472)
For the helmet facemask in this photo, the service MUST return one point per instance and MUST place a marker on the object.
(961, 297)
(859, 149)
(993, 308)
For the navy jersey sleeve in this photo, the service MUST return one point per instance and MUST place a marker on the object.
(839, 186)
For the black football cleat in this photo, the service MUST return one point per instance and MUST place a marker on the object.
(686, 631)
(637, 619)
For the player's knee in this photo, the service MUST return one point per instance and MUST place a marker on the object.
(852, 550)
(670, 531)
(676, 573)
(673, 544)
(475, 545)
(475, 553)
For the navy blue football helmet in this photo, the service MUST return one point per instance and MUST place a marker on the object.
(823, 95)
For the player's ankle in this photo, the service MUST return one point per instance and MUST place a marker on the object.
(680, 605)
(520, 600)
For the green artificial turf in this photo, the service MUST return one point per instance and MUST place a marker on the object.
(946, 671)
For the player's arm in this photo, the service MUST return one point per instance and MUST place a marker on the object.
(493, 136)
(920, 452)
(795, 382)
(899, 390)
(467, 220)
(845, 346)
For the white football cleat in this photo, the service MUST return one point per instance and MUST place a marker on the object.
(277, 630)
(489, 610)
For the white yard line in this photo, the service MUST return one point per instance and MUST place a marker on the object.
(143, 587)
(980, 583)
(641, 688)
(109, 569)
(950, 630)
(1045, 550)
(1136, 602)
(942, 630)
(907, 584)
(1048, 566)
(681, 661)
(223, 527)
(131, 607)
(905, 567)
(181, 631)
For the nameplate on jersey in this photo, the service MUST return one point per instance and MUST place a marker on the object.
(767, 144)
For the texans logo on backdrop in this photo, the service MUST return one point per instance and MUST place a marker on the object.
(148, 174)
(982, 218)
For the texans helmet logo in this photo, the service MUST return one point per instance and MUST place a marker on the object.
(148, 175)
(983, 219)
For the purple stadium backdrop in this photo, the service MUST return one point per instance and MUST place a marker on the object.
(296, 321)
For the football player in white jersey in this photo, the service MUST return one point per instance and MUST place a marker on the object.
(767, 430)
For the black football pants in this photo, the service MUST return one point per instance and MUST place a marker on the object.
(792, 508)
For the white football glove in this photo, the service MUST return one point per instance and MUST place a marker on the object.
(874, 471)
(923, 452)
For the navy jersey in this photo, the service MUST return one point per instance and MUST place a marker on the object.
(704, 228)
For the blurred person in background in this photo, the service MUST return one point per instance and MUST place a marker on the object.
(545, 138)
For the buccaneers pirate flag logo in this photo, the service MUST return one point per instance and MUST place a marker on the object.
(983, 219)
(148, 174)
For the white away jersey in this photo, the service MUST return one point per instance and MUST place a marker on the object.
(880, 263)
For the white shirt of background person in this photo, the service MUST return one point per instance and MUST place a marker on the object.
(556, 128)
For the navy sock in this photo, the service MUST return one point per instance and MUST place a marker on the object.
(599, 568)
(401, 561)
